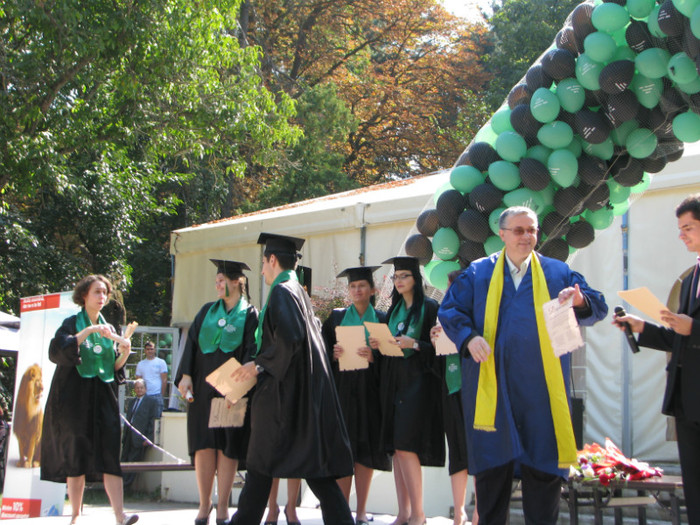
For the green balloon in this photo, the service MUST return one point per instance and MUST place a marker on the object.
(544, 105)
(563, 167)
(686, 126)
(504, 175)
(428, 268)
(555, 135)
(599, 219)
(618, 193)
(620, 208)
(588, 71)
(647, 90)
(623, 52)
(653, 62)
(539, 152)
(524, 197)
(609, 17)
(681, 68)
(643, 185)
(641, 143)
(691, 88)
(619, 134)
(604, 150)
(695, 22)
(600, 46)
(547, 195)
(653, 23)
(575, 146)
(168, 338)
(500, 121)
(442, 189)
(493, 219)
(511, 146)
(486, 134)
(571, 94)
(440, 272)
(687, 7)
(493, 244)
(465, 178)
(446, 243)
(640, 9)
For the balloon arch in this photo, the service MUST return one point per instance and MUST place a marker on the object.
(608, 105)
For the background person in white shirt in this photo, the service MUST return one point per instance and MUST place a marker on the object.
(154, 371)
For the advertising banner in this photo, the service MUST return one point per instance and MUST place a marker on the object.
(24, 494)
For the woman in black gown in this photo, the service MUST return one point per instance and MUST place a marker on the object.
(410, 390)
(82, 432)
(358, 390)
(221, 330)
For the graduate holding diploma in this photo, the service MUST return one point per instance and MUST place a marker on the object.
(410, 390)
(358, 388)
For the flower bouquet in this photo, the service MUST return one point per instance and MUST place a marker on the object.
(609, 464)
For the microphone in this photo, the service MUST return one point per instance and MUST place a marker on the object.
(620, 312)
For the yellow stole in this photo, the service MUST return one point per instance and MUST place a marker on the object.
(487, 389)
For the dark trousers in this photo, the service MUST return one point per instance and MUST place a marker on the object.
(689, 453)
(541, 495)
(253, 500)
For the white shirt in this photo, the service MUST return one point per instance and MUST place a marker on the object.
(150, 370)
(518, 272)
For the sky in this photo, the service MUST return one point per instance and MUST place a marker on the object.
(468, 9)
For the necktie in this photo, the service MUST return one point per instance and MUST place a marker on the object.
(136, 406)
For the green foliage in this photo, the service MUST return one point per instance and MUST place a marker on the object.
(521, 30)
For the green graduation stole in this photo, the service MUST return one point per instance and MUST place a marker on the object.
(352, 318)
(453, 373)
(487, 388)
(96, 352)
(397, 324)
(286, 275)
(222, 329)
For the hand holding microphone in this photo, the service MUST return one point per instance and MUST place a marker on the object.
(625, 326)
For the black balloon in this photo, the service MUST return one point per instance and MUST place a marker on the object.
(638, 36)
(654, 165)
(621, 107)
(481, 155)
(670, 19)
(556, 248)
(518, 95)
(419, 246)
(470, 251)
(449, 205)
(523, 122)
(534, 174)
(591, 169)
(485, 198)
(580, 235)
(661, 124)
(581, 22)
(672, 101)
(627, 171)
(473, 226)
(568, 201)
(595, 197)
(428, 223)
(559, 64)
(616, 76)
(555, 225)
(536, 78)
(566, 39)
(592, 126)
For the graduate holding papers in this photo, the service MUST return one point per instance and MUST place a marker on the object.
(356, 373)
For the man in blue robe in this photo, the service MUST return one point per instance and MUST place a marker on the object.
(531, 424)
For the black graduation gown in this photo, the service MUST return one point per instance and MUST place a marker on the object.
(297, 428)
(82, 431)
(411, 400)
(231, 441)
(358, 391)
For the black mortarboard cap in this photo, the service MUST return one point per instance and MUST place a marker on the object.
(359, 273)
(229, 268)
(404, 263)
(280, 244)
(304, 276)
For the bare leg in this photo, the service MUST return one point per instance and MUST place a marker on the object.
(272, 509)
(290, 510)
(76, 487)
(225, 474)
(413, 480)
(401, 495)
(345, 485)
(458, 481)
(115, 492)
(204, 469)
(363, 479)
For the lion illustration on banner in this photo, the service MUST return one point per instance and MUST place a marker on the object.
(28, 418)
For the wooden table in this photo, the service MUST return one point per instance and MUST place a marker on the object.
(648, 491)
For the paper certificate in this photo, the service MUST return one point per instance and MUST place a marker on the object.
(225, 415)
(387, 342)
(351, 338)
(444, 345)
(227, 387)
(562, 327)
(645, 301)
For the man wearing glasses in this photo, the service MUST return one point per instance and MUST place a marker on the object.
(515, 390)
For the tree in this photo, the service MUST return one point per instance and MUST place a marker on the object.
(106, 110)
(521, 30)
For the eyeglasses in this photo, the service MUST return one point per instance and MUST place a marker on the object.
(401, 276)
(519, 231)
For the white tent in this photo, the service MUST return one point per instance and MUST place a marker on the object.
(622, 392)
(9, 332)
